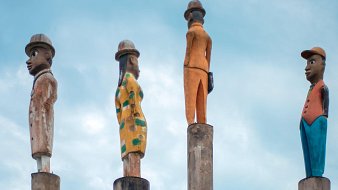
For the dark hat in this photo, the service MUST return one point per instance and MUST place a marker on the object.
(126, 47)
(315, 50)
(39, 40)
(194, 5)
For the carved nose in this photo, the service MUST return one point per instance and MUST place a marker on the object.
(307, 68)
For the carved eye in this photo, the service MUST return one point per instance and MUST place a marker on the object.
(312, 62)
(34, 53)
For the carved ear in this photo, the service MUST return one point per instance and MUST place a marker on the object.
(133, 60)
(49, 57)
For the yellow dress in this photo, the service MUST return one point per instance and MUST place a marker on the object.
(133, 125)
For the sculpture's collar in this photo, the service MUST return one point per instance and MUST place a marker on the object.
(42, 72)
(196, 24)
(130, 74)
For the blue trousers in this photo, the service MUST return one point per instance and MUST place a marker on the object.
(313, 139)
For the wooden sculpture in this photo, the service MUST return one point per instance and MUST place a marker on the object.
(196, 64)
(313, 125)
(44, 93)
(133, 125)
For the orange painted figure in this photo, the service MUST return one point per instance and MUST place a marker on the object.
(44, 93)
(196, 64)
(133, 125)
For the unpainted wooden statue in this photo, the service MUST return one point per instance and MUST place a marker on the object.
(44, 94)
(196, 64)
(128, 97)
(313, 125)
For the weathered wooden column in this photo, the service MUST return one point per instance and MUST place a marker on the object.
(45, 181)
(314, 183)
(131, 183)
(200, 157)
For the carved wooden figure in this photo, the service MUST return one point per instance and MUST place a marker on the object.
(44, 93)
(128, 97)
(196, 64)
(313, 125)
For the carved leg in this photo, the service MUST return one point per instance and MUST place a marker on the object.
(45, 163)
(39, 164)
(190, 92)
(132, 165)
(201, 104)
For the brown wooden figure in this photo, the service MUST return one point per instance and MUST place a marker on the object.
(44, 93)
(196, 64)
(313, 125)
(128, 97)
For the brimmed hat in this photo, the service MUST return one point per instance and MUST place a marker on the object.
(39, 40)
(126, 47)
(316, 50)
(194, 5)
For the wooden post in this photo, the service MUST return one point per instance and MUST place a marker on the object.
(314, 183)
(131, 183)
(200, 157)
(45, 181)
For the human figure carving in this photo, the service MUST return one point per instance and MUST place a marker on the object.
(313, 125)
(128, 97)
(196, 64)
(44, 94)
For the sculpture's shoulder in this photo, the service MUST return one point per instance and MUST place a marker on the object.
(199, 32)
(46, 79)
(325, 89)
(130, 79)
(46, 86)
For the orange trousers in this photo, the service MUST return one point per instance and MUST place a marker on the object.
(195, 91)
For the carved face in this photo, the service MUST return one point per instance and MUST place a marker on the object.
(314, 69)
(38, 60)
(132, 66)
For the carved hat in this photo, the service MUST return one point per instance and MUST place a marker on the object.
(315, 50)
(126, 47)
(39, 40)
(194, 5)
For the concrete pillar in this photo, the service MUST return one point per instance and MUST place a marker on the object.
(131, 183)
(200, 157)
(45, 181)
(314, 183)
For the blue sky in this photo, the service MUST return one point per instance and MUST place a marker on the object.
(260, 88)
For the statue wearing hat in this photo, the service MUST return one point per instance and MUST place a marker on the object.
(44, 93)
(313, 125)
(128, 97)
(196, 64)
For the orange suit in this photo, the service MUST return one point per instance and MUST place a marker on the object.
(196, 68)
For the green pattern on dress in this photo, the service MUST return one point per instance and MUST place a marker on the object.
(117, 93)
(123, 148)
(141, 94)
(131, 95)
(136, 142)
(124, 83)
(122, 125)
(126, 103)
(140, 122)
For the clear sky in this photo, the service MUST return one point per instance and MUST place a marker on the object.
(255, 108)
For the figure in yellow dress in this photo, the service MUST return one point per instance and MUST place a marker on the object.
(128, 97)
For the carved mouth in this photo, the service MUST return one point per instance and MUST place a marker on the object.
(307, 73)
(29, 67)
